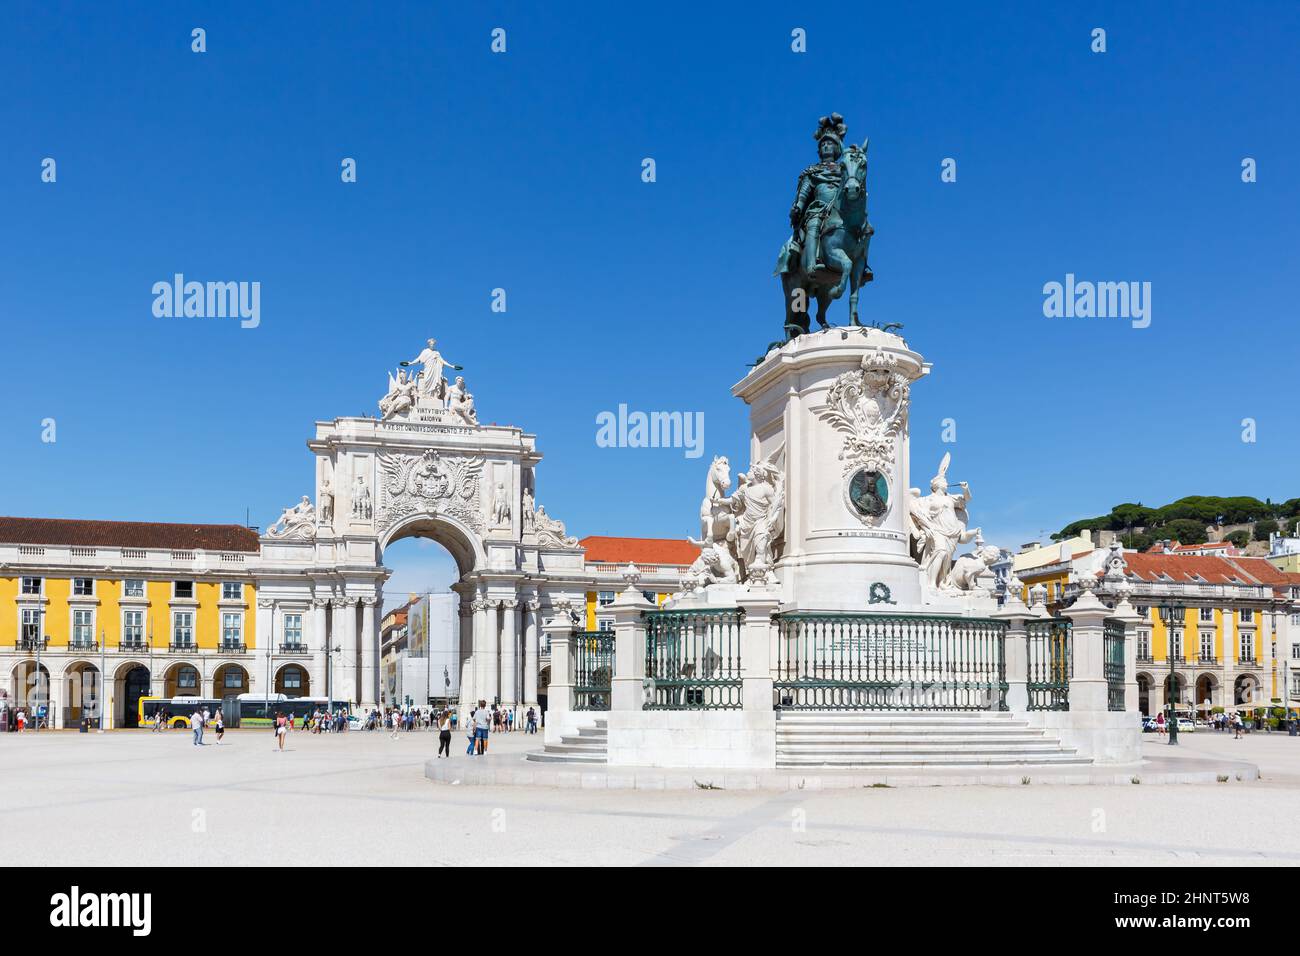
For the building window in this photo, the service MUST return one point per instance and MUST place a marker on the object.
(31, 625)
(1295, 652)
(233, 678)
(293, 630)
(232, 629)
(1247, 616)
(1142, 610)
(133, 628)
(1247, 647)
(1144, 645)
(31, 585)
(133, 587)
(650, 596)
(183, 628)
(83, 627)
(83, 587)
(604, 598)
(187, 679)
(232, 591)
(291, 678)
(183, 589)
(1207, 614)
(605, 624)
(1177, 644)
(1207, 645)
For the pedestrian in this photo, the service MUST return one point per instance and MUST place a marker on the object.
(1237, 725)
(393, 724)
(22, 720)
(196, 724)
(482, 724)
(444, 734)
(1160, 722)
(473, 733)
(219, 726)
(281, 728)
(532, 721)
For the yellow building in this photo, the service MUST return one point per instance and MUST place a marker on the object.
(162, 609)
(1232, 641)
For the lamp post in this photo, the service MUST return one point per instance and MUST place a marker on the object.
(1168, 614)
(329, 676)
(103, 696)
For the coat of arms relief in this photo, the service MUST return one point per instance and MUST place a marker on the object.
(410, 484)
(869, 405)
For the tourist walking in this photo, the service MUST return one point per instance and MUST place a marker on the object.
(196, 724)
(21, 718)
(532, 721)
(281, 728)
(482, 724)
(1160, 722)
(219, 726)
(444, 734)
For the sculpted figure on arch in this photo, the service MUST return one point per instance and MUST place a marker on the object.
(938, 527)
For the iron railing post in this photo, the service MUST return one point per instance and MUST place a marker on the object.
(628, 611)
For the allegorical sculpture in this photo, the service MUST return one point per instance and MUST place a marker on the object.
(827, 251)
(938, 525)
(740, 531)
(427, 388)
(297, 522)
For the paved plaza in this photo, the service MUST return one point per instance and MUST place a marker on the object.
(138, 798)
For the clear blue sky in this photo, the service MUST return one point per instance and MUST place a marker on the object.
(479, 171)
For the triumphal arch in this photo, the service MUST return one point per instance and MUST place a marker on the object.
(424, 466)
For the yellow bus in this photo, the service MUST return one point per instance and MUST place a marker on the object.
(176, 709)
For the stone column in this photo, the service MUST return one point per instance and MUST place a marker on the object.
(509, 653)
(369, 689)
(532, 656)
(1016, 651)
(629, 650)
(465, 691)
(481, 637)
(756, 640)
(345, 662)
(257, 681)
(1088, 685)
(319, 632)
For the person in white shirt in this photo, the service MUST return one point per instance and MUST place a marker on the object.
(196, 724)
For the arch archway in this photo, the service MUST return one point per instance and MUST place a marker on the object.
(293, 680)
(131, 681)
(29, 686)
(229, 680)
(1247, 689)
(1178, 694)
(1144, 683)
(1207, 693)
(80, 692)
(182, 679)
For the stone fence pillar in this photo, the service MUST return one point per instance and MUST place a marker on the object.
(559, 631)
(756, 643)
(1088, 684)
(1016, 651)
(629, 650)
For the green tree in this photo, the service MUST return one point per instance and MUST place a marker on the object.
(1240, 537)
(1264, 528)
(1184, 531)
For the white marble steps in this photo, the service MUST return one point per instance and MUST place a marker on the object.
(894, 739)
(590, 745)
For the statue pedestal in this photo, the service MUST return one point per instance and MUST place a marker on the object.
(836, 402)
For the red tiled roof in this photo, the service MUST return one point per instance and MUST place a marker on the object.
(1261, 570)
(1185, 568)
(601, 549)
(127, 534)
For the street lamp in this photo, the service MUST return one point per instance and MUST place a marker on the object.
(1169, 613)
(329, 675)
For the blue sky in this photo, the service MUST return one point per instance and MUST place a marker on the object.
(522, 171)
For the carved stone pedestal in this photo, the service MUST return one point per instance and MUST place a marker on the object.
(834, 407)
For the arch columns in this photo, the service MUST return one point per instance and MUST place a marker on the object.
(369, 654)
(509, 653)
(532, 644)
(484, 674)
(344, 626)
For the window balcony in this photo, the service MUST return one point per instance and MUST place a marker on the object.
(293, 648)
(233, 647)
(76, 645)
(30, 643)
(184, 647)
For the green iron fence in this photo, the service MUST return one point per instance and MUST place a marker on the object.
(885, 662)
(692, 660)
(1114, 635)
(593, 666)
(1051, 664)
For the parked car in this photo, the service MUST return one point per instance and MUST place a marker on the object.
(1149, 725)
(1186, 725)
